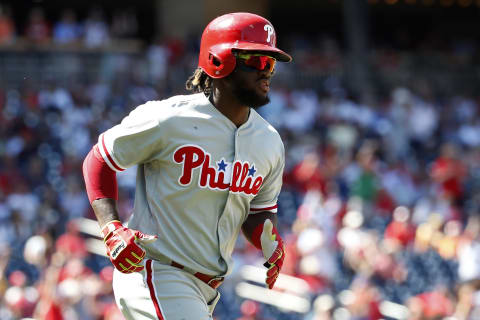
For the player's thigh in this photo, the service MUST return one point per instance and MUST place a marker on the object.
(133, 297)
(163, 292)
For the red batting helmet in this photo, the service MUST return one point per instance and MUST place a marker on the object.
(236, 31)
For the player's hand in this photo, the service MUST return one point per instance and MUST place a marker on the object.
(273, 251)
(123, 246)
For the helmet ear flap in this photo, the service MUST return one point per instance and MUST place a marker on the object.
(222, 64)
(215, 62)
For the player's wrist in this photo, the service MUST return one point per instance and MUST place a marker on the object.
(256, 234)
(111, 226)
(266, 243)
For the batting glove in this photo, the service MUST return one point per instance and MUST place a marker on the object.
(273, 251)
(123, 246)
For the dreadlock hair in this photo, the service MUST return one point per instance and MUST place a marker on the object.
(199, 81)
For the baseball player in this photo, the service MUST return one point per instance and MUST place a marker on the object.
(209, 166)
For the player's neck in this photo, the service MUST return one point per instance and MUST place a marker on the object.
(230, 107)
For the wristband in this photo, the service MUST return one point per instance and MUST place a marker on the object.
(110, 226)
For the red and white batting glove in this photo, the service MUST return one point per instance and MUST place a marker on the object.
(122, 248)
(273, 251)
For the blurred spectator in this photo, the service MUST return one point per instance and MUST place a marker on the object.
(323, 307)
(250, 310)
(55, 97)
(430, 305)
(124, 24)
(469, 251)
(20, 298)
(96, 29)
(7, 27)
(422, 122)
(307, 174)
(448, 173)
(428, 232)
(447, 245)
(37, 29)
(362, 301)
(158, 56)
(70, 243)
(400, 232)
(466, 304)
(399, 182)
(9, 171)
(398, 137)
(176, 47)
(301, 111)
(469, 132)
(364, 181)
(67, 29)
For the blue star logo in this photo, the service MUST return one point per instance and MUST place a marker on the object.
(252, 171)
(222, 165)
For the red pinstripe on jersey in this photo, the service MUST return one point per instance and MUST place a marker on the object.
(272, 209)
(153, 296)
(109, 157)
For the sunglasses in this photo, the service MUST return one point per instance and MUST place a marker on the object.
(257, 61)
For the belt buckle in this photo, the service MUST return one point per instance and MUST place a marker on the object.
(212, 281)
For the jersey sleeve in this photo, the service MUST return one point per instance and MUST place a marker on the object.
(136, 139)
(266, 199)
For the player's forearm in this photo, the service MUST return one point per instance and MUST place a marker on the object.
(260, 230)
(254, 220)
(105, 210)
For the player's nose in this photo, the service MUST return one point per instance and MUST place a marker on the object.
(264, 74)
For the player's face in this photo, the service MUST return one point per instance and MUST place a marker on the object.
(251, 79)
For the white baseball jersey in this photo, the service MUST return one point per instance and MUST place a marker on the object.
(198, 177)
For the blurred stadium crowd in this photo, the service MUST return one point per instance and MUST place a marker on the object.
(93, 31)
(381, 198)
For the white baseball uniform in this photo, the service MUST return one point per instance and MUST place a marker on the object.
(198, 178)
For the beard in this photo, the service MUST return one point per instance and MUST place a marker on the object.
(249, 96)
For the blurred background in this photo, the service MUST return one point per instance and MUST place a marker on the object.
(379, 112)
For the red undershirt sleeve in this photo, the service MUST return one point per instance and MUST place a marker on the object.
(100, 180)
